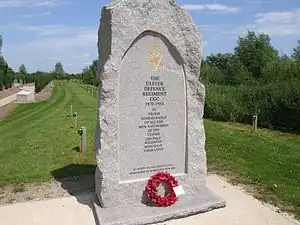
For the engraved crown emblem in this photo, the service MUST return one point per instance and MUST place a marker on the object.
(155, 57)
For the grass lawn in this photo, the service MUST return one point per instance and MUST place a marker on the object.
(268, 162)
(37, 139)
(37, 143)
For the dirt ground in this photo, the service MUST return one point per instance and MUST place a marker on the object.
(47, 190)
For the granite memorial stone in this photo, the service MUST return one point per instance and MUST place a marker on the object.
(150, 112)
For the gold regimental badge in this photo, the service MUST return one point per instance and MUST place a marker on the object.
(155, 56)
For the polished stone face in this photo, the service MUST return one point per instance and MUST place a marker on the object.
(152, 111)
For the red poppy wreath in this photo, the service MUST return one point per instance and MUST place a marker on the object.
(152, 192)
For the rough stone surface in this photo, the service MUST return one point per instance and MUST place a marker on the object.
(127, 26)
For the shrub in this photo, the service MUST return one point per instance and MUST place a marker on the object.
(277, 104)
(41, 80)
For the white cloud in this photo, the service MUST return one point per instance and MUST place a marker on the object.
(50, 30)
(261, 2)
(36, 15)
(193, 7)
(278, 23)
(72, 46)
(212, 7)
(85, 55)
(27, 3)
(83, 37)
(209, 28)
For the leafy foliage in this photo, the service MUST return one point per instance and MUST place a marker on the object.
(1, 42)
(59, 72)
(296, 52)
(6, 75)
(89, 74)
(41, 80)
(254, 80)
(22, 70)
(255, 51)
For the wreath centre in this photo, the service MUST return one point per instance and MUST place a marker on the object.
(162, 189)
(159, 189)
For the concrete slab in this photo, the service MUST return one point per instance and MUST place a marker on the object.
(205, 201)
(241, 209)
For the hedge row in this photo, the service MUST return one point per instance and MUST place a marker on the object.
(277, 104)
(42, 80)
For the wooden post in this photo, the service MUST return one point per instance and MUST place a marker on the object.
(83, 140)
(254, 122)
(71, 110)
(75, 120)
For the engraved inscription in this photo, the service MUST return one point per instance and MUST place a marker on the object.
(152, 112)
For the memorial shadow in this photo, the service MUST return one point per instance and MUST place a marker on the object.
(145, 200)
(76, 149)
(78, 180)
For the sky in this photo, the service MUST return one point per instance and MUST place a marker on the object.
(38, 33)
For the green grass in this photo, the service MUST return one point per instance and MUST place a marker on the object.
(268, 162)
(37, 143)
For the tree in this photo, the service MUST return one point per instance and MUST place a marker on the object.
(1, 42)
(22, 70)
(94, 65)
(279, 70)
(59, 68)
(254, 51)
(2, 66)
(2, 73)
(89, 74)
(6, 73)
(22, 73)
(59, 72)
(296, 52)
(211, 73)
(229, 65)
